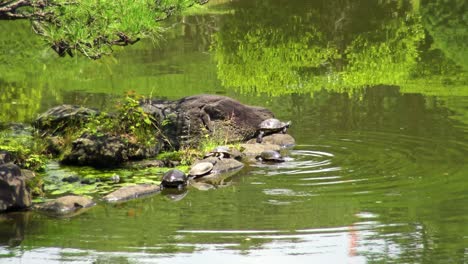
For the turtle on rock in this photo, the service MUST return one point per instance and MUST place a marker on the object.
(270, 156)
(201, 169)
(271, 126)
(174, 179)
(219, 152)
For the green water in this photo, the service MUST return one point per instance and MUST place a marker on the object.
(378, 97)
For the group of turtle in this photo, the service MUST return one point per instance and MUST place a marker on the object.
(177, 179)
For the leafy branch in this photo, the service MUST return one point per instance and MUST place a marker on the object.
(90, 27)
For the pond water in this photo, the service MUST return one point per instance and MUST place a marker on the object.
(378, 97)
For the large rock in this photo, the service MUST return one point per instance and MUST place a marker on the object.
(14, 193)
(65, 206)
(57, 119)
(106, 151)
(187, 120)
(132, 192)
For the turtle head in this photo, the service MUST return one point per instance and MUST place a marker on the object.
(260, 136)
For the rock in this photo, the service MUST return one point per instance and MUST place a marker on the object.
(65, 206)
(5, 157)
(14, 192)
(223, 169)
(55, 145)
(283, 140)
(131, 192)
(143, 164)
(71, 179)
(56, 120)
(222, 165)
(255, 149)
(106, 151)
(190, 118)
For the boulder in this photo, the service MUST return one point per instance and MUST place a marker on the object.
(132, 192)
(14, 192)
(5, 157)
(106, 151)
(57, 119)
(187, 120)
(65, 206)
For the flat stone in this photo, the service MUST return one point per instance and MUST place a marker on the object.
(65, 205)
(283, 140)
(131, 192)
(255, 149)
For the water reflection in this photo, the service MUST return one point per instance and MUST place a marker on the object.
(12, 228)
(379, 173)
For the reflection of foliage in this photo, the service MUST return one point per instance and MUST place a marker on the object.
(389, 61)
(447, 23)
(333, 48)
(266, 56)
(18, 103)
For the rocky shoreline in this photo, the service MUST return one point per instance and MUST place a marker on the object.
(174, 125)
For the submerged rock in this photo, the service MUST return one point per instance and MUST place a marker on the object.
(131, 192)
(65, 206)
(14, 192)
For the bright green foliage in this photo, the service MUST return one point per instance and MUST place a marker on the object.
(25, 149)
(93, 27)
(129, 121)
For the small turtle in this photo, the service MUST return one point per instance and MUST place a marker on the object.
(270, 156)
(174, 179)
(271, 126)
(219, 152)
(201, 169)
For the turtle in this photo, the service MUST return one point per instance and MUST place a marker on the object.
(271, 126)
(270, 156)
(201, 169)
(174, 179)
(219, 152)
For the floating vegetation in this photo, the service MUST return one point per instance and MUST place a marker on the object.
(60, 180)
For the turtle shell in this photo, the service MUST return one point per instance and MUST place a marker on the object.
(173, 179)
(273, 124)
(271, 155)
(201, 169)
